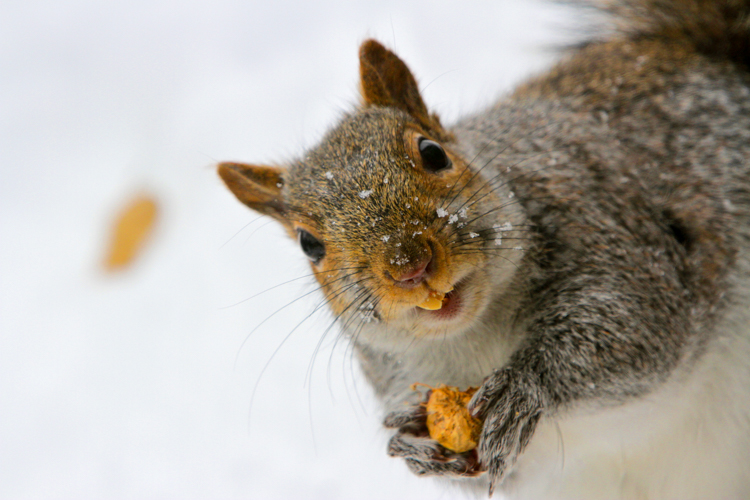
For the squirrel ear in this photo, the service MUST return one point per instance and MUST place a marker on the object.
(258, 187)
(386, 81)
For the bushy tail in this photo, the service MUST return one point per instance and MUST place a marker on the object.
(718, 28)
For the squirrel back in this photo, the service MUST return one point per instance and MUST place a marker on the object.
(579, 251)
(719, 29)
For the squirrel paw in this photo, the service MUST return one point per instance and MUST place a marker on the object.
(425, 456)
(510, 405)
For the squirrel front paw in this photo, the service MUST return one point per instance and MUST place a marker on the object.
(510, 404)
(423, 455)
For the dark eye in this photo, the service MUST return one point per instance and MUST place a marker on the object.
(311, 245)
(434, 158)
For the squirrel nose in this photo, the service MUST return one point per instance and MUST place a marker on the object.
(412, 276)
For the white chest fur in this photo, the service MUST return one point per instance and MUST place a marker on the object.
(688, 440)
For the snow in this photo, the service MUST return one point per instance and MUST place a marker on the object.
(182, 377)
(506, 226)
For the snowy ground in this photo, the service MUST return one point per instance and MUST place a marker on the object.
(139, 385)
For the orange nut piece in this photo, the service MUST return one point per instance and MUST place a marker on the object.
(449, 421)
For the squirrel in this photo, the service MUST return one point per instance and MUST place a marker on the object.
(579, 251)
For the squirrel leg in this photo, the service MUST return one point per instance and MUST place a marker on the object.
(600, 344)
(510, 403)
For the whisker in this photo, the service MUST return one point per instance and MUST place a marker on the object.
(242, 345)
(281, 344)
(286, 283)
(269, 221)
(325, 332)
(492, 159)
(242, 229)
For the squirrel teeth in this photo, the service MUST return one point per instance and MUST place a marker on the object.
(433, 302)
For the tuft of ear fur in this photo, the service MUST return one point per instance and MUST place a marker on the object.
(258, 187)
(385, 80)
(717, 28)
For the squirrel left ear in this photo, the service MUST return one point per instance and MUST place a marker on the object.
(386, 81)
(257, 186)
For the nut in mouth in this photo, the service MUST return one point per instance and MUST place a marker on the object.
(443, 306)
(435, 301)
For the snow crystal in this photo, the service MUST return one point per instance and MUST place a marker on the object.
(498, 241)
(473, 235)
(385, 239)
(453, 218)
(462, 213)
(441, 212)
(365, 194)
(329, 176)
(400, 261)
(368, 317)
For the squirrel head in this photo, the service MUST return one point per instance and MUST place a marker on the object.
(398, 225)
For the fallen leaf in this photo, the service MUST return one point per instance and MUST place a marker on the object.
(130, 231)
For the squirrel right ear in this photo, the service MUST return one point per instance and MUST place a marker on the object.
(258, 187)
(385, 80)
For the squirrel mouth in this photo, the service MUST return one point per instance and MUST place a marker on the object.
(447, 307)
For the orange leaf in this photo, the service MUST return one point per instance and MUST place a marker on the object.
(130, 230)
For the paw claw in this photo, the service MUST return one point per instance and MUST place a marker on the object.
(398, 419)
(477, 406)
(496, 473)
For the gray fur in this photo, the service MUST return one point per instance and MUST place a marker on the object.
(610, 204)
(639, 195)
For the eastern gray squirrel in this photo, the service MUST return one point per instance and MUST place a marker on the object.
(579, 251)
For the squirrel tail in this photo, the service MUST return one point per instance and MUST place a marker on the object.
(717, 28)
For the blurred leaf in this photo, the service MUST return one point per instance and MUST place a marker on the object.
(130, 232)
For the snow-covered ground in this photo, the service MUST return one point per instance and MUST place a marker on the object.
(140, 384)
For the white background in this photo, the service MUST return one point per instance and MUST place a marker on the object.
(139, 384)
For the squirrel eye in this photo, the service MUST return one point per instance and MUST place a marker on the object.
(434, 158)
(312, 246)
